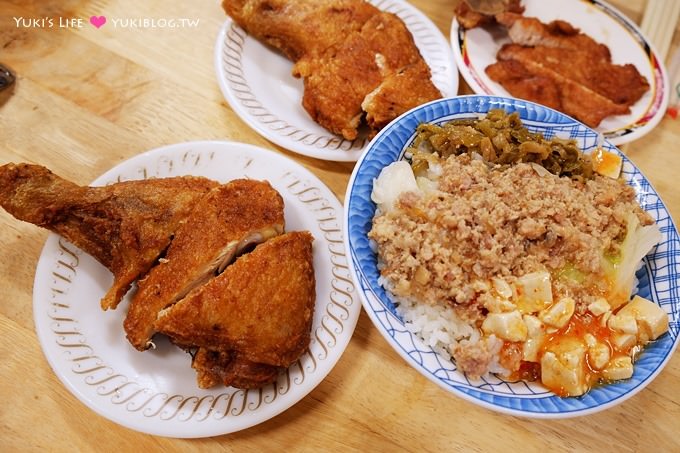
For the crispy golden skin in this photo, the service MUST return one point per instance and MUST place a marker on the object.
(531, 32)
(125, 226)
(340, 82)
(224, 222)
(519, 81)
(621, 84)
(468, 17)
(260, 307)
(557, 65)
(580, 95)
(299, 27)
(214, 368)
(398, 92)
(344, 50)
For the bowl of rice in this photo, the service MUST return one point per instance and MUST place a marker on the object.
(514, 257)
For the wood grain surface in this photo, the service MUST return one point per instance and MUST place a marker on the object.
(87, 99)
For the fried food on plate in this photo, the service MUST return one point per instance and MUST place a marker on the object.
(341, 82)
(557, 65)
(227, 368)
(576, 97)
(621, 84)
(530, 32)
(300, 28)
(399, 91)
(524, 84)
(344, 50)
(260, 307)
(475, 13)
(226, 221)
(125, 226)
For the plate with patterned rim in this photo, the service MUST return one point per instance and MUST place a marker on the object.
(658, 278)
(475, 49)
(257, 83)
(155, 391)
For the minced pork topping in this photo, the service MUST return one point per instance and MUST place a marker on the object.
(483, 223)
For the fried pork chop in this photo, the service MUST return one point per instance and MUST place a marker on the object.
(559, 34)
(300, 28)
(125, 226)
(260, 308)
(557, 65)
(223, 223)
(475, 13)
(344, 50)
(341, 81)
(576, 97)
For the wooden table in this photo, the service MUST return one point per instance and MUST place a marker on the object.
(87, 99)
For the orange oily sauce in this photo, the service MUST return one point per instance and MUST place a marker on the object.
(576, 329)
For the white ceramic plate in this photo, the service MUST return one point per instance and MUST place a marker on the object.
(657, 279)
(155, 391)
(476, 49)
(257, 83)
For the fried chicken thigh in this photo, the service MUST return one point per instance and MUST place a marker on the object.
(227, 368)
(227, 220)
(260, 308)
(125, 226)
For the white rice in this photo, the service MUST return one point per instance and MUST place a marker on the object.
(440, 328)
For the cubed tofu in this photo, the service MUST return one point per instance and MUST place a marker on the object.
(535, 337)
(618, 368)
(598, 355)
(506, 326)
(623, 341)
(623, 323)
(599, 307)
(559, 314)
(502, 288)
(562, 368)
(534, 292)
(651, 319)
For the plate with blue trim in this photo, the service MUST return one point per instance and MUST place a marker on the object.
(657, 278)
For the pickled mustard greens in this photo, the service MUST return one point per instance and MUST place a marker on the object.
(499, 138)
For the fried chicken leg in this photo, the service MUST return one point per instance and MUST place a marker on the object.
(260, 307)
(224, 222)
(125, 226)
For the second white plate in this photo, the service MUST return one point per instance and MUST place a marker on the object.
(257, 83)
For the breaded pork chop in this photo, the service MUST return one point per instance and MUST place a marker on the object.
(227, 220)
(344, 50)
(531, 32)
(578, 98)
(399, 92)
(338, 82)
(300, 27)
(125, 226)
(260, 307)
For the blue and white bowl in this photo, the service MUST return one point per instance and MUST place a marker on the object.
(658, 278)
